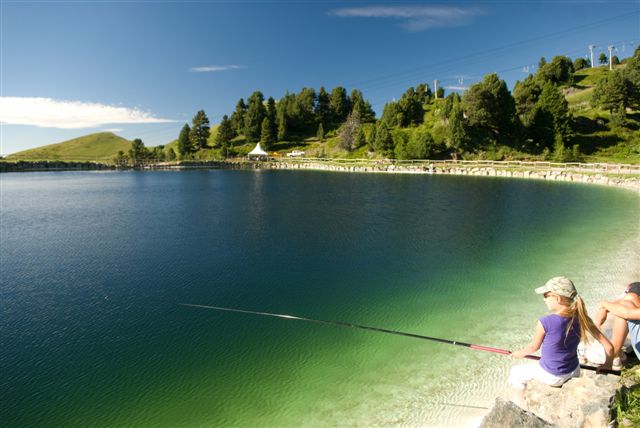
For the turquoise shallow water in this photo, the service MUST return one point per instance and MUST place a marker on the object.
(94, 264)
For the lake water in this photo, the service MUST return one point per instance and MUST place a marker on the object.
(94, 265)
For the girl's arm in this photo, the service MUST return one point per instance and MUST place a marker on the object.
(535, 344)
(621, 310)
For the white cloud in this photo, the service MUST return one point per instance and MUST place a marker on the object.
(214, 68)
(457, 88)
(414, 18)
(50, 113)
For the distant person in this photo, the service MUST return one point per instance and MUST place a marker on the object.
(559, 335)
(626, 320)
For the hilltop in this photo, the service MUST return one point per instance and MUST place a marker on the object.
(98, 146)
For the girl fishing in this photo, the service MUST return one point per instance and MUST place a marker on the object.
(559, 335)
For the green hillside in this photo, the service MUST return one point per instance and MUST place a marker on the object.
(99, 146)
(561, 115)
(596, 132)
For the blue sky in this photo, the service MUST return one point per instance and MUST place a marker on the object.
(143, 68)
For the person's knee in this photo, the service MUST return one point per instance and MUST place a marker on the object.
(518, 377)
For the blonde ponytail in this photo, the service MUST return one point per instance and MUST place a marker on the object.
(576, 308)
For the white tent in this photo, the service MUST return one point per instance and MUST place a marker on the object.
(258, 153)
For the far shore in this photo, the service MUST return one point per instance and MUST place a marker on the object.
(615, 175)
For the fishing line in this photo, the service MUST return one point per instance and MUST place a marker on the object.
(384, 330)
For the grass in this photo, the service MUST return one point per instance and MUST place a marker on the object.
(580, 99)
(626, 405)
(100, 146)
(590, 76)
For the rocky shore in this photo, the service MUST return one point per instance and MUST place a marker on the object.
(628, 182)
(581, 402)
(610, 177)
(584, 402)
(32, 166)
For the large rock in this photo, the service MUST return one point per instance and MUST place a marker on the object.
(581, 402)
(505, 414)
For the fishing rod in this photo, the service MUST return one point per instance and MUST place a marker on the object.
(384, 330)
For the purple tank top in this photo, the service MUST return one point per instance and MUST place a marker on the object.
(559, 354)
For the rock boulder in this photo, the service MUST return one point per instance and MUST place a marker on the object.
(581, 402)
(505, 414)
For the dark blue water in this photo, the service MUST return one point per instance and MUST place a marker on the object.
(95, 264)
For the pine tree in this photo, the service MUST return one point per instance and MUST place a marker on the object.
(555, 104)
(602, 59)
(306, 103)
(526, 94)
(580, 63)
(392, 114)
(267, 139)
(559, 149)
(256, 113)
(612, 91)
(350, 132)
(237, 118)
(282, 122)
(323, 107)
(200, 132)
(356, 101)
(447, 106)
(339, 105)
(121, 159)
(320, 133)
(372, 138)
(138, 152)
(419, 144)
(383, 143)
(458, 138)
(559, 70)
(184, 143)
(225, 134)
(272, 114)
(423, 94)
(490, 109)
(631, 75)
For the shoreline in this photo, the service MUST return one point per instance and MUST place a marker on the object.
(630, 183)
(620, 176)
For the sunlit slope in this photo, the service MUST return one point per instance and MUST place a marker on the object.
(99, 146)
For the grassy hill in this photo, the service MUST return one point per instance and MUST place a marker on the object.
(599, 137)
(99, 146)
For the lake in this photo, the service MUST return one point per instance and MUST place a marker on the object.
(94, 266)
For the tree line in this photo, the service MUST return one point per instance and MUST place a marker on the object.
(533, 119)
